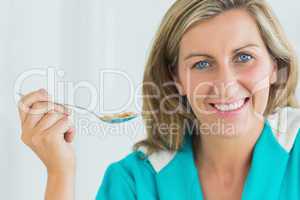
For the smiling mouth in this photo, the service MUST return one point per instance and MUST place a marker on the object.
(228, 107)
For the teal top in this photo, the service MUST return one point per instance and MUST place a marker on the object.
(274, 174)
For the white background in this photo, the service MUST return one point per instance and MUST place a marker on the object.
(81, 38)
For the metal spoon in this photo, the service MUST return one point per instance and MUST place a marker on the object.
(110, 118)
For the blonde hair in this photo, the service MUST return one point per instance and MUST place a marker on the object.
(163, 58)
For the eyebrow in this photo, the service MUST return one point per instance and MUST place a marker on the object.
(196, 54)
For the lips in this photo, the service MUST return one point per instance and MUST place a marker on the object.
(229, 105)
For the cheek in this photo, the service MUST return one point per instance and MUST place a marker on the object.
(195, 83)
(197, 91)
(257, 80)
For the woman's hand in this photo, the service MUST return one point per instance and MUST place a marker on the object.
(47, 130)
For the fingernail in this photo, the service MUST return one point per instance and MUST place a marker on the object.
(67, 112)
(42, 90)
(71, 129)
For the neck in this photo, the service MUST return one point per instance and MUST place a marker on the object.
(223, 155)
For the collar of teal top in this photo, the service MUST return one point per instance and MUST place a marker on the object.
(179, 178)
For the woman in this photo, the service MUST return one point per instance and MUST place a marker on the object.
(226, 78)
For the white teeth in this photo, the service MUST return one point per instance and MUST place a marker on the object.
(229, 107)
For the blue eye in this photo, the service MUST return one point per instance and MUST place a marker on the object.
(202, 64)
(244, 58)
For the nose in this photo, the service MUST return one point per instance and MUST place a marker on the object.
(226, 83)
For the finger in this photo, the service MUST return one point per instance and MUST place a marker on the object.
(28, 100)
(39, 109)
(60, 127)
(49, 120)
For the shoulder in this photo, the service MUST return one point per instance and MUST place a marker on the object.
(128, 165)
(285, 124)
(119, 180)
(131, 176)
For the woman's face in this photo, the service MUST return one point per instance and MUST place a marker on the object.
(225, 70)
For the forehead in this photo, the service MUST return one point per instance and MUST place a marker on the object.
(226, 31)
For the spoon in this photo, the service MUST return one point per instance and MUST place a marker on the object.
(109, 118)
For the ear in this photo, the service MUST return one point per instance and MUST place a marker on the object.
(273, 78)
(178, 85)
